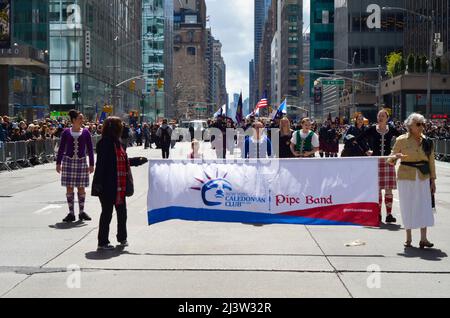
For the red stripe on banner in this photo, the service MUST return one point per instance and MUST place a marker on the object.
(365, 214)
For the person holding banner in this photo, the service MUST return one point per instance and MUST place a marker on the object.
(416, 179)
(113, 182)
(380, 139)
(285, 138)
(195, 154)
(305, 142)
(257, 146)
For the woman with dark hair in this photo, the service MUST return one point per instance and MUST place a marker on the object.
(71, 164)
(380, 138)
(113, 181)
(355, 147)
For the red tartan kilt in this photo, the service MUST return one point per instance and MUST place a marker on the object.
(387, 176)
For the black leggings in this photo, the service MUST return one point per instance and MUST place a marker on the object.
(105, 220)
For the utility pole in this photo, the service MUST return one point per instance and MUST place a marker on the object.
(430, 66)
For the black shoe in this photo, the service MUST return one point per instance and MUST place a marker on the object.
(390, 219)
(84, 217)
(105, 248)
(70, 218)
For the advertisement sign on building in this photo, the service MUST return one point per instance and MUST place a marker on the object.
(5, 23)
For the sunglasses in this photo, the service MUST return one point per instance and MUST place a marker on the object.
(420, 125)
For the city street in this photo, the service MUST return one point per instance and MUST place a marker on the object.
(185, 259)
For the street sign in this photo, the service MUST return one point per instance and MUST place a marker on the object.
(77, 87)
(75, 95)
(333, 82)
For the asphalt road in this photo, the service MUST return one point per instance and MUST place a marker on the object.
(40, 257)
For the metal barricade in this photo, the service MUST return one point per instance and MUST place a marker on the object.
(447, 150)
(11, 154)
(24, 153)
(49, 150)
(3, 162)
(39, 150)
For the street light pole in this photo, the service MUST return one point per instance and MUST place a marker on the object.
(430, 67)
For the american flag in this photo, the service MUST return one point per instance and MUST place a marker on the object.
(263, 103)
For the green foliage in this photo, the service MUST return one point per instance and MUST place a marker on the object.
(423, 64)
(393, 63)
(411, 64)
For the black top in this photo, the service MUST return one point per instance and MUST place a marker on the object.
(104, 184)
(380, 144)
(356, 132)
(285, 146)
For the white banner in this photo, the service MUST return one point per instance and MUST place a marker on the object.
(315, 192)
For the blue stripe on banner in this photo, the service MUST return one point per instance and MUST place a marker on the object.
(192, 214)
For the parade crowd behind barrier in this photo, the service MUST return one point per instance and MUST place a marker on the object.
(25, 144)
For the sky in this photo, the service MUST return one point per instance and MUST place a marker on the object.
(232, 23)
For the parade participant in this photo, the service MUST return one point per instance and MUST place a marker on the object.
(323, 134)
(195, 154)
(380, 139)
(333, 137)
(355, 147)
(305, 142)
(285, 138)
(219, 143)
(416, 179)
(113, 182)
(257, 146)
(164, 134)
(71, 164)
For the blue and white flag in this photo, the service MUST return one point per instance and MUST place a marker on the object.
(221, 111)
(282, 110)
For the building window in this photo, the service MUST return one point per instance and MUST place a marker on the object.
(191, 51)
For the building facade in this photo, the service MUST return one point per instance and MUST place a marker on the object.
(290, 15)
(365, 34)
(321, 40)
(190, 70)
(417, 29)
(157, 58)
(88, 37)
(24, 69)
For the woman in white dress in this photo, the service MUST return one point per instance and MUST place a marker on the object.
(416, 179)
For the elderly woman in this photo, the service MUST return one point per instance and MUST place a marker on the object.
(416, 179)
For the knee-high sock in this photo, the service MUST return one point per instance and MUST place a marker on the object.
(389, 200)
(81, 201)
(380, 200)
(71, 202)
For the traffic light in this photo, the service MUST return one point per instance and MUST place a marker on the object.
(132, 86)
(301, 80)
(160, 83)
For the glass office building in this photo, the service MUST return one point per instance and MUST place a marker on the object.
(23, 59)
(95, 46)
(157, 58)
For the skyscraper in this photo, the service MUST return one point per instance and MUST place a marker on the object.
(24, 60)
(261, 8)
(321, 38)
(157, 58)
(96, 44)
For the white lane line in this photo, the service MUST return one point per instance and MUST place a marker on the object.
(48, 209)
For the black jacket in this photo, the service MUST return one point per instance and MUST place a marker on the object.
(104, 184)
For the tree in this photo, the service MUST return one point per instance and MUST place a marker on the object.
(402, 66)
(423, 64)
(438, 65)
(393, 63)
(411, 63)
(417, 64)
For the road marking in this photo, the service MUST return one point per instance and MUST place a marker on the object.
(48, 209)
